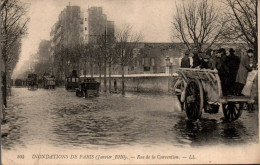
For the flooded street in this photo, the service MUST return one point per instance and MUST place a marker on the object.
(58, 118)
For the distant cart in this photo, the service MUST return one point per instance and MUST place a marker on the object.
(32, 81)
(49, 82)
(88, 88)
(200, 89)
(18, 83)
(72, 81)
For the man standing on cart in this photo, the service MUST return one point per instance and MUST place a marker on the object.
(185, 61)
(232, 62)
(222, 68)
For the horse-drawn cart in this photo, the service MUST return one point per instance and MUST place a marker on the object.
(72, 81)
(32, 81)
(200, 89)
(49, 81)
(88, 88)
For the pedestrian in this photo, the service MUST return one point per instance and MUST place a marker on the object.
(185, 61)
(222, 69)
(232, 62)
(212, 60)
(115, 85)
(205, 61)
(196, 59)
(244, 68)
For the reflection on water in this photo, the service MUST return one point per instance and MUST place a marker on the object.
(59, 118)
(212, 131)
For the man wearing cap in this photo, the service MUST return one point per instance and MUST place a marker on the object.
(185, 61)
(244, 68)
(222, 69)
(205, 61)
(196, 59)
(232, 62)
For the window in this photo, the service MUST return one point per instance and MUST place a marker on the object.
(135, 61)
(86, 19)
(146, 61)
(152, 61)
(86, 28)
(146, 68)
(142, 61)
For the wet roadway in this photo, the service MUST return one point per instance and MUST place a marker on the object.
(59, 118)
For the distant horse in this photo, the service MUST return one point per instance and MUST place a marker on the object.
(31, 84)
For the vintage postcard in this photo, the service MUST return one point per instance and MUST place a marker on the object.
(129, 82)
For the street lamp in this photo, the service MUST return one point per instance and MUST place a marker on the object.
(167, 60)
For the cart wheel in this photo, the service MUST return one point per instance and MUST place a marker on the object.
(178, 89)
(193, 103)
(232, 111)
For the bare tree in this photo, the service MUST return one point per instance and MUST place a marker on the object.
(197, 24)
(103, 55)
(126, 42)
(242, 25)
(3, 3)
(13, 27)
(112, 60)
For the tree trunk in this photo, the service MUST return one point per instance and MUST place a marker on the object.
(109, 70)
(105, 74)
(123, 80)
(256, 52)
(91, 69)
(4, 90)
(100, 70)
(85, 68)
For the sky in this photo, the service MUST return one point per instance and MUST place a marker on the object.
(150, 17)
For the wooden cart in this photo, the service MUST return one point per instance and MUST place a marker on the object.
(32, 81)
(72, 81)
(49, 82)
(200, 89)
(88, 88)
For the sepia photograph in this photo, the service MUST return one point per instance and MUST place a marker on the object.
(129, 82)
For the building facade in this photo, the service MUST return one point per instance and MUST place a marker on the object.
(74, 29)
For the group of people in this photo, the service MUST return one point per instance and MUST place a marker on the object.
(232, 70)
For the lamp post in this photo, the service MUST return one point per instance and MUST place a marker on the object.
(170, 68)
(167, 60)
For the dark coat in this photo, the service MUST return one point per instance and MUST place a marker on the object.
(204, 65)
(196, 61)
(243, 69)
(221, 66)
(212, 63)
(185, 62)
(232, 63)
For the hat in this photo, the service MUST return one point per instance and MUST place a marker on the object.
(205, 56)
(231, 50)
(222, 51)
(250, 51)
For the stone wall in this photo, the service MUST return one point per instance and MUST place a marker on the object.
(140, 83)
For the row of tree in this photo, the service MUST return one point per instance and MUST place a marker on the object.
(201, 23)
(99, 55)
(13, 27)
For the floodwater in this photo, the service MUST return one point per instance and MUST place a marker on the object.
(59, 118)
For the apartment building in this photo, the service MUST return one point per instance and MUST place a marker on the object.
(77, 27)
